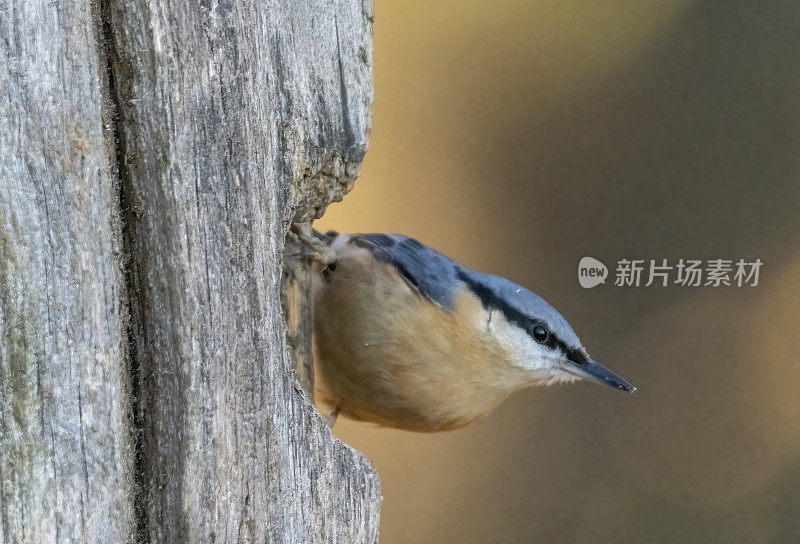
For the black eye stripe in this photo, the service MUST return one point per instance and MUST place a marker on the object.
(490, 300)
(576, 355)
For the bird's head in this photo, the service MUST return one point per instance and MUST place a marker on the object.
(537, 338)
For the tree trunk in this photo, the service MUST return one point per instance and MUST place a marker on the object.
(152, 157)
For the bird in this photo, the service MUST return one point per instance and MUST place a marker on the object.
(405, 337)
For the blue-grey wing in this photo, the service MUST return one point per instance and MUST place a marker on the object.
(434, 275)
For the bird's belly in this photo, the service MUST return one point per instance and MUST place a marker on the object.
(384, 390)
(383, 354)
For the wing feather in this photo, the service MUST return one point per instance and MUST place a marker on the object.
(434, 275)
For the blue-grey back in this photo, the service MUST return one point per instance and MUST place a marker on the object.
(434, 275)
(439, 278)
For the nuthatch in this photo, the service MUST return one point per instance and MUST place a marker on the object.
(405, 337)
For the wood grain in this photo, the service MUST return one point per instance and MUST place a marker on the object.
(152, 156)
(66, 470)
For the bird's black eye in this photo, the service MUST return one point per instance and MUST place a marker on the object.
(540, 334)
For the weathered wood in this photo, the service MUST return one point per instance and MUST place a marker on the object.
(184, 422)
(235, 118)
(65, 464)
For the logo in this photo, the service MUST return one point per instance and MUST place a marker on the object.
(664, 272)
(591, 272)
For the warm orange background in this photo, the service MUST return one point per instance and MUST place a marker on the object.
(518, 136)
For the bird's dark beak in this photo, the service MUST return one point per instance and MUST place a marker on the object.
(595, 372)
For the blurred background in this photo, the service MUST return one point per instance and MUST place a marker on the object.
(518, 136)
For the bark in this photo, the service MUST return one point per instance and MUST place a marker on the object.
(152, 156)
